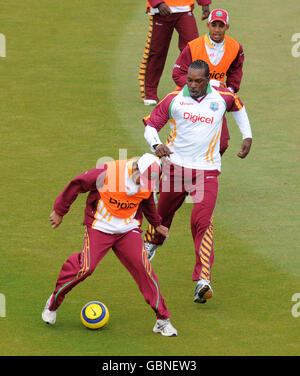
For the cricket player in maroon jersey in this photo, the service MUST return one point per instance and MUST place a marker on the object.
(165, 16)
(120, 193)
(223, 54)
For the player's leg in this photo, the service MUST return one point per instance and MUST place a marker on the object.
(79, 265)
(129, 249)
(202, 232)
(187, 29)
(172, 195)
(155, 55)
(168, 204)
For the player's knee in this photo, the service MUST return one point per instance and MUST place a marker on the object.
(200, 224)
(86, 272)
(90, 270)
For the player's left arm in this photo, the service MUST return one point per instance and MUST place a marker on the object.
(181, 66)
(245, 148)
(243, 123)
(150, 212)
(236, 106)
(235, 72)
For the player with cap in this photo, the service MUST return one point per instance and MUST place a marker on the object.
(224, 56)
(120, 193)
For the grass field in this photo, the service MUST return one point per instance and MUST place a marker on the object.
(69, 95)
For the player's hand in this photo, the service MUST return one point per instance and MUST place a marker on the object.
(162, 230)
(245, 148)
(55, 219)
(164, 10)
(205, 12)
(162, 151)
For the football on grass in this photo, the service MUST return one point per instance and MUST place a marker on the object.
(94, 315)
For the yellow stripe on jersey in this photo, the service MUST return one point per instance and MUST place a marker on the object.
(214, 145)
(104, 215)
(146, 117)
(236, 98)
(173, 92)
(173, 134)
(96, 213)
(210, 146)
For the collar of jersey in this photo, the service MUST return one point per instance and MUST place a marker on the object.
(186, 92)
(210, 43)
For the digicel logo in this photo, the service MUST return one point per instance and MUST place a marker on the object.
(216, 75)
(198, 118)
(122, 205)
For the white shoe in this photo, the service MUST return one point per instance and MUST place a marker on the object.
(49, 316)
(150, 102)
(151, 249)
(165, 328)
(203, 291)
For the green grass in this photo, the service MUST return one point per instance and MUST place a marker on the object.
(70, 96)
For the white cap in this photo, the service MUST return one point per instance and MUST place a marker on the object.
(149, 166)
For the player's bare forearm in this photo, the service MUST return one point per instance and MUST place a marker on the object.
(55, 219)
(245, 148)
(205, 12)
(164, 10)
(162, 230)
(162, 151)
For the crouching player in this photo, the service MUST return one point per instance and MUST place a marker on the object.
(120, 192)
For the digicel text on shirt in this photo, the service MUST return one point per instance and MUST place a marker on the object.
(198, 118)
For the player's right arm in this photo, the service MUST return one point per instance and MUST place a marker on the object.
(55, 219)
(82, 183)
(163, 8)
(205, 8)
(155, 122)
(181, 66)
